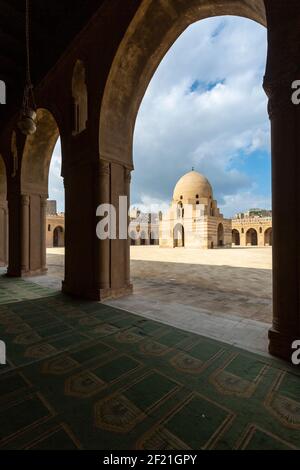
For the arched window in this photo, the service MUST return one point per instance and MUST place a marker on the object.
(178, 236)
(80, 98)
(49, 228)
(180, 210)
(58, 237)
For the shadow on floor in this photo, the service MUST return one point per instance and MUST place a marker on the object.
(82, 375)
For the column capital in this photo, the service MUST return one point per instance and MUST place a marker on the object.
(127, 176)
(104, 168)
(280, 93)
(25, 199)
(43, 200)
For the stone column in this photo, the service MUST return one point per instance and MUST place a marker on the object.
(127, 246)
(243, 238)
(3, 233)
(6, 234)
(94, 268)
(14, 233)
(43, 233)
(104, 246)
(282, 69)
(25, 202)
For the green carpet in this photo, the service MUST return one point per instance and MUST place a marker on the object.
(82, 375)
(16, 290)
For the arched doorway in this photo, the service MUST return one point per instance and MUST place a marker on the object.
(236, 239)
(137, 59)
(140, 53)
(268, 237)
(3, 215)
(58, 237)
(138, 56)
(178, 236)
(36, 161)
(220, 235)
(251, 237)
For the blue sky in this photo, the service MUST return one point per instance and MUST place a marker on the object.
(204, 108)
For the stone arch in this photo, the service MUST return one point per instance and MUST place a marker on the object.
(58, 237)
(36, 158)
(80, 98)
(139, 54)
(178, 236)
(251, 237)
(37, 154)
(268, 237)
(3, 215)
(220, 235)
(236, 238)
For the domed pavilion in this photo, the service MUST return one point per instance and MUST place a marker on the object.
(194, 220)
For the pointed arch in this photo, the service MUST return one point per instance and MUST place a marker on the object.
(139, 54)
(37, 154)
(251, 237)
(236, 238)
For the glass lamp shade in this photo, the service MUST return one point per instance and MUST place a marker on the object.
(27, 124)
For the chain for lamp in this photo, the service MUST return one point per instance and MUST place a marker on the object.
(27, 123)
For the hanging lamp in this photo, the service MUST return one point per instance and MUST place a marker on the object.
(27, 122)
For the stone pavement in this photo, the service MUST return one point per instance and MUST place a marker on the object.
(223, 294)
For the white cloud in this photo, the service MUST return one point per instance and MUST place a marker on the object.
(210, 127)
(244, 201)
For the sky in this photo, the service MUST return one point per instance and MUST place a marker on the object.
(204, 108)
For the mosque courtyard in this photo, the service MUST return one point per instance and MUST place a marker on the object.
(225, 294)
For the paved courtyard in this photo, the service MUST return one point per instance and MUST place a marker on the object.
(224, 294)
(226, 281)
